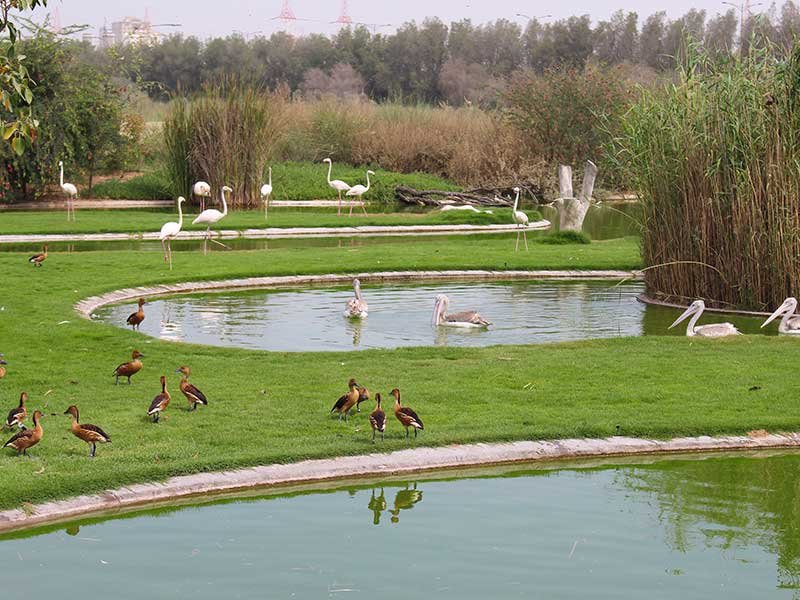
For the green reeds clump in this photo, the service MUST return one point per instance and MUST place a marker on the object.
(716, 160)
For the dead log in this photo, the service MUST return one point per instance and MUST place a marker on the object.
(409, 195)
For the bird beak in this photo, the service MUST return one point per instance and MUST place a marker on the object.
(688, 312)
(783, 308)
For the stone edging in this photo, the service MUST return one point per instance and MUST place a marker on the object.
(401, 462)
(88, 305)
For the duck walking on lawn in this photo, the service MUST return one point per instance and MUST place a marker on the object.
(193, 395)
(17, 415)
(27, 438)
(135, 319)
(160, 402)
(406, 416)
(129, 369)
(37, 259)
(91, 434)
(377, 419)
(346, 403)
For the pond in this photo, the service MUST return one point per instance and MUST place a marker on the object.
(312, 319)
(720, 527)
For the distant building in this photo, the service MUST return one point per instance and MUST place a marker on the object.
(129, 31)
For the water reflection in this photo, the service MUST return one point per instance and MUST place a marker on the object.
(404, 499)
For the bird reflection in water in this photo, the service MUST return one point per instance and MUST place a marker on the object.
(73, 530)
(377, 505)
(354, 327)
(404, 500)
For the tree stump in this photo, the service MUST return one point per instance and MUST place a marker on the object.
(571, 210)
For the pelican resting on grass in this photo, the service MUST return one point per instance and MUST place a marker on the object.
(714, 330)
(468, 318)
(356, 306)
(790, 323)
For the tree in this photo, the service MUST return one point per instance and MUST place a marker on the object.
(651, 41)
(720, 36)
(616, 41)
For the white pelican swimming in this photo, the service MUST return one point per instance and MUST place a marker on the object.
(713, 330)
(790, 323)
(467, 318)
(356, 306)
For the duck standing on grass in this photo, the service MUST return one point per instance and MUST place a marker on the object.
(27, 438)
(406, 416)
(91, 434)
(193, 395)
(160, 402)
(377, 419)
(346, 403)
(37, 259)
(135, 319)
(17, 415)
(129, 369)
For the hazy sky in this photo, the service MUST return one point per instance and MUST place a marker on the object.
(207, 19)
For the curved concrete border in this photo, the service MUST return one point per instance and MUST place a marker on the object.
(645, 299)
(87, 306)
(402, 462)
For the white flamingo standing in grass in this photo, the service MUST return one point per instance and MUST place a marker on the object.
(357, 191)
(169, 231)
(201, 190)
(71, 191)
(336, 184)
(266, 192)
(212, 216)
(521, 219)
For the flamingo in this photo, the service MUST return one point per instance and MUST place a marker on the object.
(521, 219)
(336, 184)
(202, 190)
(70, 190)
(356, 306)
(715, 330)
(266, 192)
(790, 323)
(169, 231)
(359, 190)
(468, 318)
(211, 216)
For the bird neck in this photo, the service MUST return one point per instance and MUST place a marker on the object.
(368, 184)
(330, 169)
(270, 176)
(61, 166)
(163, 387)
(224, 204)
(692, 322)
(516, 202)
(180, 215)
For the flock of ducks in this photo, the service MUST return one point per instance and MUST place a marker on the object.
(377, 419)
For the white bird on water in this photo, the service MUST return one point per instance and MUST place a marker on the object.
(714, 330)
(359, 190)
(70, 190)
(169, 231)
(468, 318)
(521, 219)
(356, 307)
(336, 184)
(202, 190)
(266, 192)
(211, 216)
(790, 323)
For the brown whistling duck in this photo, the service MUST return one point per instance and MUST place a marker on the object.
(129, 369)
(135, 319)
(405, 415)
(363, 396)
(3, 364)
(91, 434)
(377, 419)
(37, 259)
(346, 403)
(377, 504)
(193, 395)
(160, 402)
(27, 438)
(405, 500)
(17, 415)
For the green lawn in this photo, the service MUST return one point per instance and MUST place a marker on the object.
(273, 407)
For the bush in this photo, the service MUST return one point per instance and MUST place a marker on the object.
(151, 186)
(565, 237)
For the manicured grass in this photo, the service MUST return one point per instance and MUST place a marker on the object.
(273, 407)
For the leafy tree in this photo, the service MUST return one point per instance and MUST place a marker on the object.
(616, 40)
(720, 36)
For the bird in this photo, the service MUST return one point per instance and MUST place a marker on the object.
(377, 418)
(71, 191)
(91, 434)
(405, 500)
(3, 364)
(201, 190)
(356, 306)
(790, 323)
(193, 395)
(363, 396)
(346, 403)
(336, 184)
(135, 319)
(129, 369)
(357, 191)
(212, 216)
(521, 219)
(715, 330)
(160, 402)
(17, 415)
(169, 231)
(27, 438)
(266, 192)
(406, 416)
(468, 318)
(37, 259)
(377, 504)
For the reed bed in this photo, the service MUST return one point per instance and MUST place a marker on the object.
(716, 159)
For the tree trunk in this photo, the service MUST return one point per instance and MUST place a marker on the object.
(572, 211)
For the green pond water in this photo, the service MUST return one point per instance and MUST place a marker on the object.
(723, 527)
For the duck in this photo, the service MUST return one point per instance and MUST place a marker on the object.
(27, 438)
(357, 307)
(377, 504)
(129, 369)
(346, 403)
(468, 318)
(17, 415)
(405, 500)
(91, 434)
(377, 419)
(37, 259)
(135, 319)
(790, 323)
(406, 416)
(193, 395)
(363, 396)
(160, 402)
(3, 364)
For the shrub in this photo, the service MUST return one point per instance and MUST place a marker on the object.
(565, 237)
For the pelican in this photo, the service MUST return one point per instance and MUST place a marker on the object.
(356, 306)
(790, 323)
(467, 318)
(714, 330)
(337, 184)
(521, 219)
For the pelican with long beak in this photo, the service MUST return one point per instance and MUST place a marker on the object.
(790, 323)
(356, 306)
(468, 318)
(714, 330)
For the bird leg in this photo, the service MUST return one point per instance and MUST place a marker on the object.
(116, 381)
(93, 450)
(364, 208)
(164, 249)
(373, 436)
(339, 211)
(416, 431)
(525, 236)
(169, 250)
